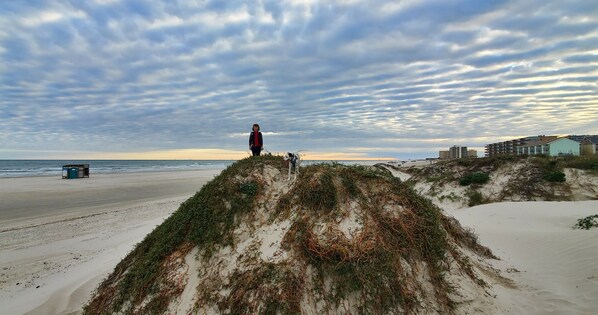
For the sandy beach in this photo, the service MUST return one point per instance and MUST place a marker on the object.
(60, 238)
(553, 265)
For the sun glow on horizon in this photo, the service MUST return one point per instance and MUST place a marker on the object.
(219, 154)
(189, 154)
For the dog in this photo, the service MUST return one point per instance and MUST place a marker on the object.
(294, 160)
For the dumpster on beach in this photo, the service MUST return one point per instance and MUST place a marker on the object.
(75, 171)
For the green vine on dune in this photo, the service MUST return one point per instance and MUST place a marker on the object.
(587, 222)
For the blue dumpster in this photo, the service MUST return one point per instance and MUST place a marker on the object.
(73, 172)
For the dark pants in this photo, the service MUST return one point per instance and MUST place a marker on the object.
(256, 151)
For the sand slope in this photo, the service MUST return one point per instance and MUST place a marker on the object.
(554, 266)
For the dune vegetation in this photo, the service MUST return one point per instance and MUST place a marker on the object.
(472, 182)
(338, 239)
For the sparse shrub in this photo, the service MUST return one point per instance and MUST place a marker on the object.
(475, 178)
(475, 198)
(494, 161)
(320, 195)
(368, 171)
(465, 162)
(582, 162)
(550, 168)
(249, 188)
(543, 162)
(555, 177)
(452, 197)
(587, 222)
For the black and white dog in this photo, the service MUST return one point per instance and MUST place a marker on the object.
(294, 160)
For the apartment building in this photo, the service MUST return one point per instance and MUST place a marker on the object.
(510, 146)
(457, 152)
(444, 154)
(549, 145)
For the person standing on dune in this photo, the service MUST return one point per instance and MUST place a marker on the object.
(256, 142)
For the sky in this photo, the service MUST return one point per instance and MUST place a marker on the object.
(346, 79)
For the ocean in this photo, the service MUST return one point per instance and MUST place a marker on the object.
(24, 168)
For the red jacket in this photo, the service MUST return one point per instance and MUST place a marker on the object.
(252, 140)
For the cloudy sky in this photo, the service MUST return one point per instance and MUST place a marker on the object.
(341, 79)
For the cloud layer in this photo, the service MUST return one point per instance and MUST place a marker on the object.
(371, 78)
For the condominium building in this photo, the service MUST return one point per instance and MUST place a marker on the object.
(457, 152)
(443, 155)
(548, 145)
(510, 146)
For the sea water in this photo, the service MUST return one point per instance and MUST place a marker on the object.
(24, 168)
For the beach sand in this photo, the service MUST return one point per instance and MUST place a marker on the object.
(554, 266)
(60, 238)
(54, 251)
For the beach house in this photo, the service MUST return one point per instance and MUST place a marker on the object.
(510, 147)
(550, 147)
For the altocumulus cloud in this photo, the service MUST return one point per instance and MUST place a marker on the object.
(363, 78)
